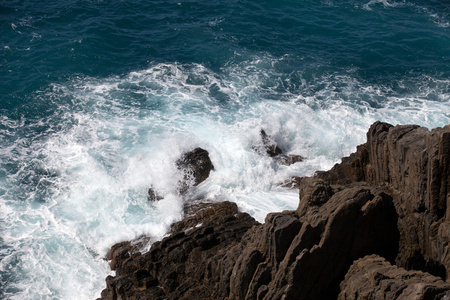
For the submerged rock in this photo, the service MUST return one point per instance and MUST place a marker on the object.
(270, 147)
(152, 196)
(288, 159)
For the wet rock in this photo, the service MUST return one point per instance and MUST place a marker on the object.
(188, 264)
(292, 183)
(270, 146)
(152, 196)
(118, 254)
(195, 166)
(288, 159)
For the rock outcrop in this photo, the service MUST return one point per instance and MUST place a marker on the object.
(195, 167)
(270, 147)
(413, 165)
(372, 277)
(376, 226)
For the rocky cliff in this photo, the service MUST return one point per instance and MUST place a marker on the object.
(376, 226)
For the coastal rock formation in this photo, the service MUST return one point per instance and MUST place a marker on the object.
(372, 277)
(195, 166)
(184, 265)
(359, 231)
(270, 146)
(413, 165)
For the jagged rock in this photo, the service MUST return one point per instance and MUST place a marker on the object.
(292, 183)
(270, 146)
(195, 166)
(372, 277)
(184, 264)
(313, 192)
(118, 254)
(352, 223)
(152, 196)
(204, 213)
(414, 164)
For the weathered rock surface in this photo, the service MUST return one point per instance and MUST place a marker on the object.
(413, 165)
(372, 277)
(390, 198)
(189, 264)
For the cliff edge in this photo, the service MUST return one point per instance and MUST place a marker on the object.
(375, 226)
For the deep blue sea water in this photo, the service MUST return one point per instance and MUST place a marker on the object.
(99, 98)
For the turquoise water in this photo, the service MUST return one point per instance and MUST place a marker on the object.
(99, 99)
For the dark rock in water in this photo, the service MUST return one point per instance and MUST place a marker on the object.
(270, 146)
(288, 159)
(292, 183)
(390, 198)
(372, 277)
(196, 166)
(152, 196)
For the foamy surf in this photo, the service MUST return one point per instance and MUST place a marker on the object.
(76, 183)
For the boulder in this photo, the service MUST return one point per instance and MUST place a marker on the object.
(195, 166)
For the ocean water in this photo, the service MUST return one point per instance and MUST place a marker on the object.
(98, 99)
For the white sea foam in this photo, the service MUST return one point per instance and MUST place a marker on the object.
(385, 3)
(72, 191)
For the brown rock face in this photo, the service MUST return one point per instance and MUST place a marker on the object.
(412, 164)
(372, 277)
(390, 198)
